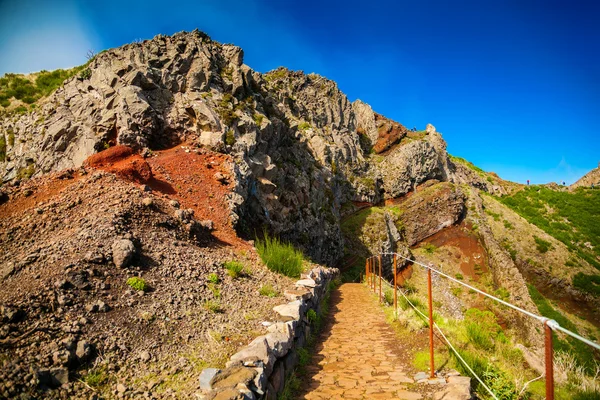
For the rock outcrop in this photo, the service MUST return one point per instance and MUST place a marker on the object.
(300, 148)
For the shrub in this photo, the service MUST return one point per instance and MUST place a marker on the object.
(280, 257)
(389, 296)
(508, 225)
(137, 284)
(304, 126)
(229, 138)
(258, 118)
(213, 278)
(459, 276)
(542, 245)
(2, 148)
(587, 283)
(303, 356)
(267, 290)
(234, 268)
(212, 306)
(482, 328)
(311, 315)
(429, 248)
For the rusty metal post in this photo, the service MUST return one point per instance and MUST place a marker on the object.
(429, 295)
(366, 271)
(395, 290)
(380, 278)
(549, 363)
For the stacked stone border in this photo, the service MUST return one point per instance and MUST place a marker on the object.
(259, 370)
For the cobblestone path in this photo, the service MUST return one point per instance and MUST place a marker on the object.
(354, 358)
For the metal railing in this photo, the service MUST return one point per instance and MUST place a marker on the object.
(374, 272)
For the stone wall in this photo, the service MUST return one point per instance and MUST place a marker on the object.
(259, 370)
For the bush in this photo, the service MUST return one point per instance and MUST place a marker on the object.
(268, 290)
(234, 268)
(389, 296)
(2, 148)
(258, 119)
(303, 356)
(213, 306)
(587, 283)
(213, 278)
(229, 138)
(280, 257)
(459, 276)
(482, 328)
(542, 245)
(429, 248)
(137, 284)
(311, 315)
(304, 126)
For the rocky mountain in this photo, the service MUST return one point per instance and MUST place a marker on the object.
(165, 158)
(589, 179)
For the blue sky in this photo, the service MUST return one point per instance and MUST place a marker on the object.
(514, 86)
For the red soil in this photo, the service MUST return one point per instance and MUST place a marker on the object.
(122, 161)
(473, 256)
(182, 174)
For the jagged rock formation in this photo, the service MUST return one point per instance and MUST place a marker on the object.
(300, 147)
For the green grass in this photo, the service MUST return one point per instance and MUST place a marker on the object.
(542, 245)
(29, 91)
(2, 148)
(268, 291)
(459, 276)
(571, 217)
(280, 257)
(429, 248)
(213, 306)
(587, 283)
(235, 269)
(482, 329)
(304, 126)
(137, 284)
(213, 278)
(578, 349)
(467, 163)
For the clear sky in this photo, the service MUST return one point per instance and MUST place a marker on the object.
(514, 86)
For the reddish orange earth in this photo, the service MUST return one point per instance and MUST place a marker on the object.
(198, 179)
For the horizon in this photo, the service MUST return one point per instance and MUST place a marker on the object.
(520, 101)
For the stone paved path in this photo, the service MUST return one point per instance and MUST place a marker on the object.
(354, 357)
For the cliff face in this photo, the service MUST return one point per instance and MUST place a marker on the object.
(300, 148)
(589, 179)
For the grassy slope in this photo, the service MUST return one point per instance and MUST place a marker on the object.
(570, 217)
(19, 93)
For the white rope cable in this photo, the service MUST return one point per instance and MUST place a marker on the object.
(551, 323)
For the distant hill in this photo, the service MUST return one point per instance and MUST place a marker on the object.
(592, 177)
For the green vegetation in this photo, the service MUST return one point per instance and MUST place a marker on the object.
(258, 119)
(459, 276)
(279, 73)
(213, 278)
(508, 225)
(311, 315)
(587, 283)
(230, 137)
(468, 164)
(137, 284)
(304, 126)
(39, 85)
(429, 248)
(234, 268)
(2, 148)
(482, 329)
(389, 296)
(579, 350)
(213, 306)
(494, 215)
(280, 257)
(268, 290)
(97, 377)
(542, 245)
(571, 217)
